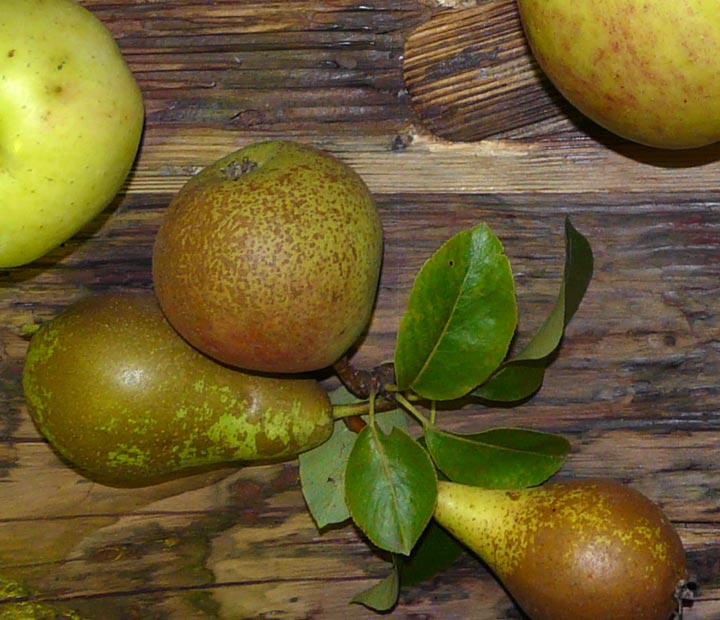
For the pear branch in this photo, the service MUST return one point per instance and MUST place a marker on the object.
(362, 383)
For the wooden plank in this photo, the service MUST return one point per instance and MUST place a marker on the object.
(470, 75)
(242, 539)
(634, 386)
(406, 159)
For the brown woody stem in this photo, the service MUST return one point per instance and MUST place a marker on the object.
(362, 384)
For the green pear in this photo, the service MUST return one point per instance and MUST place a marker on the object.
(269, 259)
(647, 71)
(578, 550)
(124, 398)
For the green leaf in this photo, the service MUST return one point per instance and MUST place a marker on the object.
(388, 420)
(505, 458)
(390, 488)
(516, 380)
(460, 319)
(383, 595)
(435, 551)
(322, 476)
(521, 376)
(322, 469)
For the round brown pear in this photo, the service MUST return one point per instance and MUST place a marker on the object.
(269, 258)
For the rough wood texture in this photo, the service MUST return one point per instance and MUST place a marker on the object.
(635, 386)
(470, 75)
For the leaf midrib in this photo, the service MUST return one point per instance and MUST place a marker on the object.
(444, 330)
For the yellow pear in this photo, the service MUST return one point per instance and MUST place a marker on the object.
(647, 71)
(577, 550)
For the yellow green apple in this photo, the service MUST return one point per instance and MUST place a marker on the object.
(71, 117)
(647, 70)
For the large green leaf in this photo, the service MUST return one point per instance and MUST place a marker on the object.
(505, 458)
(460, 319)
(521, 376)
(390, 488)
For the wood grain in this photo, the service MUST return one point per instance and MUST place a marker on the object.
(635, 386)
(470, 74)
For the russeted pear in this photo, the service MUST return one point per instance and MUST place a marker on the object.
(269, 258)
(590, 549)
(123, 397)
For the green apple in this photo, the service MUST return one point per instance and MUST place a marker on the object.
(647, 70)
(71, 117)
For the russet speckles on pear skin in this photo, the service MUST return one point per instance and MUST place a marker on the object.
(575, 550)
(269, 259)
(124, 398)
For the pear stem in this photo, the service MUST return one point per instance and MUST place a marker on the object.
(412, 410)
(378, 385)
(350, 410)
(362, 383)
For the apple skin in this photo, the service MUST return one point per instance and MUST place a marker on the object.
(71, 118)
(647, 71)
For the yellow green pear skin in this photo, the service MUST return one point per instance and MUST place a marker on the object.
(125, 399)
(269, 259)
(646, 70)
(71, 119)
(588, 549)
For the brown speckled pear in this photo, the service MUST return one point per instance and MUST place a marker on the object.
(269, 259)
(577, 550)
(123, 397)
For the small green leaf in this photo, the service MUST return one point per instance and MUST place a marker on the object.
(322, 476)
(521, 376)
(516, 380)
(390, 488)
(506, 458)
(435, 551)
(383, 596)
(460, 319)
(322, 470)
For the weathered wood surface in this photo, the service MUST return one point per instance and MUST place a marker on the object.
(635, 387)
(470, 75)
